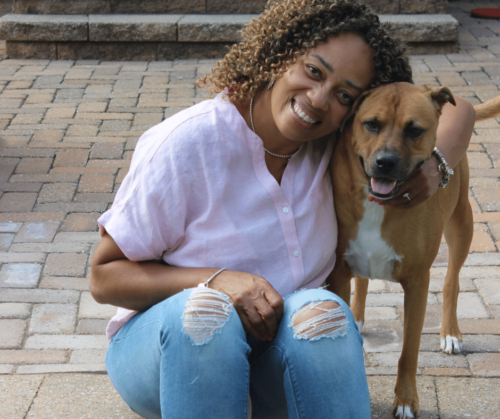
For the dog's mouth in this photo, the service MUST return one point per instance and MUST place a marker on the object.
(383, 187)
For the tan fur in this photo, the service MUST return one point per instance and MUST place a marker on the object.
(414, 233)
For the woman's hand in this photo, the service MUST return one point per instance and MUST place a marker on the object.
(420, 187)
(258, 304)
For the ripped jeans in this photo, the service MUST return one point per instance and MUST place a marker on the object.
(189, 357)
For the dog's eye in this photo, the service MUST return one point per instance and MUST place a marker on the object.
(414, 132)
(371, 126)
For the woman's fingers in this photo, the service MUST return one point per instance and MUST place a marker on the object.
(258, 304)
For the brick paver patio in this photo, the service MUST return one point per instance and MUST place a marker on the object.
(68, 131)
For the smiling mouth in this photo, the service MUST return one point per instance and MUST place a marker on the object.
(382, 187)
(302, 115)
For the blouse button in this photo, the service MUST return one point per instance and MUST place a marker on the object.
(296, 253)
(285, 210)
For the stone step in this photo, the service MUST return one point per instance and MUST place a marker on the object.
(59, 7)
(76, 36)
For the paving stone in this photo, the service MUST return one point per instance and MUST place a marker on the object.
(15, 310)
(10, 227)
(472, 398)
(67, 264)
(17, 202)
(20, 275)
(96, 183)
(469, 306)
(76, 396)
(383, 336)
(34, 165)
(9, 356)
(18, 394)
(57, 192)
(484, 365)
(49, 247)
(89, 308)
(21, 257)
(489, 290)
(106, 151)
(382, 396)
(92, 326)
(380, 313)
(61, 368)
(53, 319)
(495, 310)
(66, 237)
(38, 296)
(64, 283)
(65, 341)
(11, 333)
(5, 241)
(481, 343)
(71, 158)
(480, 326)
(88, 356)
(37, 232)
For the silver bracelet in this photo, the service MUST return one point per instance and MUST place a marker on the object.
(443, 168)
(205, 284)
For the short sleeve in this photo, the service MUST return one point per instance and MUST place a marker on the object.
(148, 216)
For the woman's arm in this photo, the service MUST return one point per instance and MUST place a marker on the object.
(138, 286)
(453, 136)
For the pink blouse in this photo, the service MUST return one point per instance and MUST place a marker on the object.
(199, 194)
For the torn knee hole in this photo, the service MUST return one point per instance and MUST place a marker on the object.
(206, 312)
(319, 319)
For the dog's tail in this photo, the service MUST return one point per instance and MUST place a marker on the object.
(489, 109)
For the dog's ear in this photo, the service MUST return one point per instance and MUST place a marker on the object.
(441, 95)
(353, 111)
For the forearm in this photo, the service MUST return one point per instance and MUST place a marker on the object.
(455, 129)
(140, 285)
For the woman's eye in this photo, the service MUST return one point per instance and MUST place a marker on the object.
(347, 98)
(314, 71)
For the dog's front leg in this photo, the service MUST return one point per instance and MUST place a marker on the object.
(406, 403)
(359, 301)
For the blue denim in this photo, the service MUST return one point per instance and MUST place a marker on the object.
(160, 373)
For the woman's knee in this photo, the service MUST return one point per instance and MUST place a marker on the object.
(317, 314)
(206, 312)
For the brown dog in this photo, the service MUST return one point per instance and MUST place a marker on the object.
(391, 131)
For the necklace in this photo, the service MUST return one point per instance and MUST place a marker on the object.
(283, 156)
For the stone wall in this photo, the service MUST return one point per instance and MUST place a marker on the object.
(61, 7)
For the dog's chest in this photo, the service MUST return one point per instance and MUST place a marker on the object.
(369, 255)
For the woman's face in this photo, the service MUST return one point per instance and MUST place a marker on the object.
(310, 100)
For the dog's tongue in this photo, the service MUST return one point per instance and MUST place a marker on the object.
(382, 186)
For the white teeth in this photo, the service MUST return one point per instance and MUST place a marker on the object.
(302, 115)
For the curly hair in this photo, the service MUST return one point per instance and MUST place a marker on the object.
(287, 29)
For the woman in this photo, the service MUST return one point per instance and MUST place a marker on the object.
(234, 196)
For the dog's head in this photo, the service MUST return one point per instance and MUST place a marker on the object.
(394, 131)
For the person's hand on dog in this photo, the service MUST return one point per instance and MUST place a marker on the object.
(420, 187)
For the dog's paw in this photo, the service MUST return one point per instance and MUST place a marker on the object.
(404, 412)
(451, 345)
(359, 323)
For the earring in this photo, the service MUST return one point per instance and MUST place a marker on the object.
(271, 84)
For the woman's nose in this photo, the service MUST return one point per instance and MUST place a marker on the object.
(319, 98)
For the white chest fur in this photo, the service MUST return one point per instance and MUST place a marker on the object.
(368, 254)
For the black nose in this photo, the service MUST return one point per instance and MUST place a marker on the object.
(386, 162)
